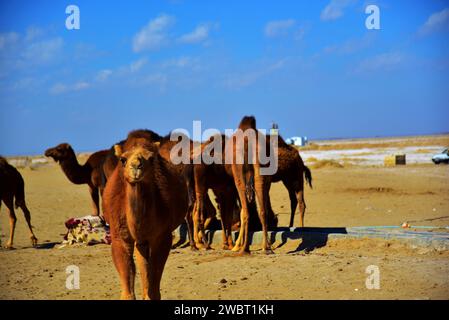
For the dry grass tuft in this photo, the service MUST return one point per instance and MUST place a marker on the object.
(326, 164)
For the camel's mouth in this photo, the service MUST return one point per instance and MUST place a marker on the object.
(134, 180)
(51, 154)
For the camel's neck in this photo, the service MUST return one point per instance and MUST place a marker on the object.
(138, 200)
(73, 170)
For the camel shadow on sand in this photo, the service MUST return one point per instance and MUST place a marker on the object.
(312, 238)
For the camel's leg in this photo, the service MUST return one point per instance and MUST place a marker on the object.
(224, 215)
(293, 201)
(262, 188)
(95, 200)
(242, 243)
(198, 221)
(222, 207)
(0, 211)
(122, 255)
(27, 215)
(142, 256)
(158, 257)
(12, 221)
(189, 222)
(302, 207)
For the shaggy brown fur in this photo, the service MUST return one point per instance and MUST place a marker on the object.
(91, 173)
(145, 199)
(12, 187)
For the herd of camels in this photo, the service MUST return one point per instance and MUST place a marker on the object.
(145, 197)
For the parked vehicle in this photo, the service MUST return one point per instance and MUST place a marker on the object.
(442, 157)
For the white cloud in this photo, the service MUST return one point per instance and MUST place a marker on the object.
(246, 79)
(279, 27)
(43, 51)
(335, 9)
(103, 75)
(154, 34)
(33, 32)
(60, 88)
(352, 45)
(381, 62)
(198, 35)
(138, 64)
(437, 21)
(181, 62)
(157, 80)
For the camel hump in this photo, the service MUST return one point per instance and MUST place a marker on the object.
(145, 134)
(3, 162)
(248, 122)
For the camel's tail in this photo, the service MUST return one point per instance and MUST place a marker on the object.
(308, 176)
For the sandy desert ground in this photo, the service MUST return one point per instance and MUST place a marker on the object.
(357, 193)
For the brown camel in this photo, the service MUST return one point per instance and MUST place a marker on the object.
(185, 170)
(91, 173)
(292, 171)
(249, 181)
(214, 176)
(145, 199)
(12, 187)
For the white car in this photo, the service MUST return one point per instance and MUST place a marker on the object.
(442, 157)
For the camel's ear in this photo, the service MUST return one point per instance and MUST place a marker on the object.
(146, 154)
(118, 150)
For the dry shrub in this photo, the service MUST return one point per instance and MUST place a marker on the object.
(423, 151)
(326, 164)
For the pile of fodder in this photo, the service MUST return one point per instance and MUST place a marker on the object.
(320, 164)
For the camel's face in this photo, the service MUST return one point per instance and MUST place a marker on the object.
(136, 163)
(60, 152)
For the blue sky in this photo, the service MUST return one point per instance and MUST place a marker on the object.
(311, 66)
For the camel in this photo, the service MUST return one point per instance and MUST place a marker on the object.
(90, 173)
(165, 147)
(145, 200)
(187, 170)
(249, 182)
(12, 187)
(214, 176)
(291, 171)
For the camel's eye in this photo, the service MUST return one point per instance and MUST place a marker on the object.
(123, 161)
(140, 166)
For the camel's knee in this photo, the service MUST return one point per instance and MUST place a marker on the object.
(12, 218)
(302, 206)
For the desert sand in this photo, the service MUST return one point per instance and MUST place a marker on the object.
(352, 195)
